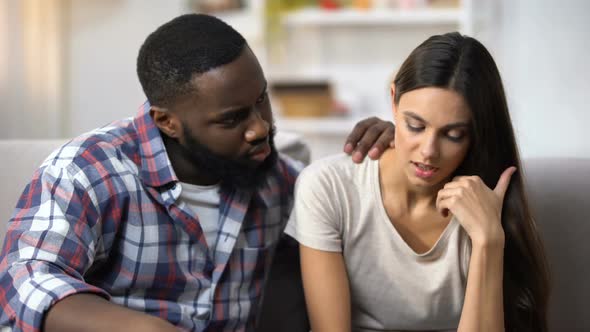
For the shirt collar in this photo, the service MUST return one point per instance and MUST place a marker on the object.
(156, 168)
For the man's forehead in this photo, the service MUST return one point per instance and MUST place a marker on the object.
(238, 81)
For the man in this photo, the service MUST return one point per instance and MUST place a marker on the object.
(167, 220)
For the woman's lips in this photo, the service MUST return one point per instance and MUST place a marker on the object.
(424, 171)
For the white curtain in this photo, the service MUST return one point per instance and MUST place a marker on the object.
(31, 68)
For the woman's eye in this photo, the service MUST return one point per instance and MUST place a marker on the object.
(456, 135)
(414, 128)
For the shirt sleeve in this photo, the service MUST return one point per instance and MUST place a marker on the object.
(316, 220)
(50, 243)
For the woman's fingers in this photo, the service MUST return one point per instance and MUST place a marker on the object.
(446, 199)
(504, 182)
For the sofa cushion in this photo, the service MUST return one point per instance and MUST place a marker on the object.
(559, 194)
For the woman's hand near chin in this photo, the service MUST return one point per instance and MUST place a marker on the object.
(477, 207)
(479, 210)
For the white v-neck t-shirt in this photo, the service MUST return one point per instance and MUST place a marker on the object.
(338, 208)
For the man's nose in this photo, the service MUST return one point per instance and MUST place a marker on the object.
(258, 129)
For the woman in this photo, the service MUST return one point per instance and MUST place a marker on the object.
(437, 235)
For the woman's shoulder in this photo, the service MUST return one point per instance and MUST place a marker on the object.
(339, 167)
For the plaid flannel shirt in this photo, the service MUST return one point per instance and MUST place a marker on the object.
(101, 216)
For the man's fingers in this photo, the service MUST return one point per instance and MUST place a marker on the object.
(371, 136)
(383, 142)
(357, 132)
(504, 182)
(348, 148)
(368, 142)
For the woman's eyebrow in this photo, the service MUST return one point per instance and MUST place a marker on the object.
(413, 115)
(453, 125)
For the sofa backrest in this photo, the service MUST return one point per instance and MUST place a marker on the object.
(20, 160)
(559, 192)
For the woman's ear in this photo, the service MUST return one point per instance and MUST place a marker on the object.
(392, 92)
(166, 121)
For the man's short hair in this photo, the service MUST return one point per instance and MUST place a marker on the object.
(188, 45)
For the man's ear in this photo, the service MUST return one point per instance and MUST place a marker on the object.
(166, 121)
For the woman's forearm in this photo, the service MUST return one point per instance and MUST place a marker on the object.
(483, 309)
(326, 287)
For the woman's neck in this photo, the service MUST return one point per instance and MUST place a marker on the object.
(397, 190)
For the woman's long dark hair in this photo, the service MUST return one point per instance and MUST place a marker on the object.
(463, 65)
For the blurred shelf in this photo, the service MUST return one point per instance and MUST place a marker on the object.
(318, 17)
(283, 74)
(318, 126)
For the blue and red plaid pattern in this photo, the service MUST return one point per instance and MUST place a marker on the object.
(101, 216)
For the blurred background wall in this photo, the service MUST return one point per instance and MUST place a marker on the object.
(68, 66)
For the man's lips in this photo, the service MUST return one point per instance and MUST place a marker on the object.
(260, 152)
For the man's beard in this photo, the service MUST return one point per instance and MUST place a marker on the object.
(230, 172)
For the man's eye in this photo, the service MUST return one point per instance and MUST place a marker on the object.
(229, 121)
(234, 120)
(262, 98)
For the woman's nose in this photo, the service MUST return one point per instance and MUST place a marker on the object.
(429, 148)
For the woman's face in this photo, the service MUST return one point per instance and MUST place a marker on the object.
(432, 134)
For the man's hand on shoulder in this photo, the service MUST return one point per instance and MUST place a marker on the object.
(371, 136)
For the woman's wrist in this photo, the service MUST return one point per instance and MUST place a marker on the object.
(493, 239)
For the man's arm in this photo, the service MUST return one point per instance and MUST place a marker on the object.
(53, 239)
(92, 313)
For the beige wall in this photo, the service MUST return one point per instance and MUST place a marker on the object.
(539, 45)
(31, 71)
